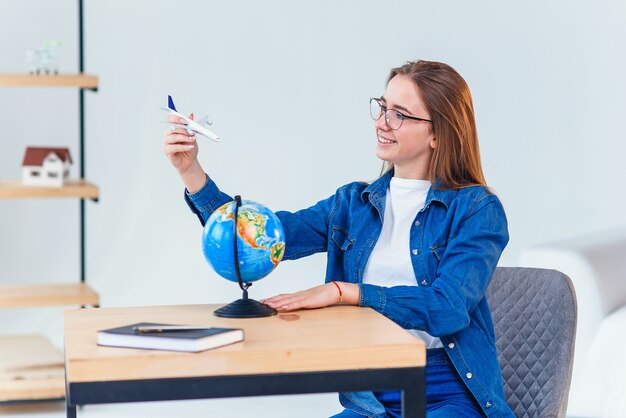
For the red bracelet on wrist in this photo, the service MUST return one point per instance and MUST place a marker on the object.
(339, 299)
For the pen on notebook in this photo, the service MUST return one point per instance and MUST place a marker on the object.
(168, 328)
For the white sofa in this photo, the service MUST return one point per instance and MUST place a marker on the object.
(597, 266)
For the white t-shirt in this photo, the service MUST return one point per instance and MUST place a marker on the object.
(390, 262)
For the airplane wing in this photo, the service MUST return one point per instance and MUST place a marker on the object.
(204, 121)
(185, 127)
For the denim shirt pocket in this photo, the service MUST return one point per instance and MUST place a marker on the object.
(341, 238)
(437, 251)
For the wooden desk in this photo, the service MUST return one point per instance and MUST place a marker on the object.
(336, 349)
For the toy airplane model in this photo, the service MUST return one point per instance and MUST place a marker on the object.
(199, 126)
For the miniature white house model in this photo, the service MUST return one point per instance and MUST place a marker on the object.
(46, 166)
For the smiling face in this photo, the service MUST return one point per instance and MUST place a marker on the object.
(410, 147)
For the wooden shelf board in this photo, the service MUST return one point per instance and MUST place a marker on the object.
(72, 188)
(32, 295)
(30, 369)
(62, 80)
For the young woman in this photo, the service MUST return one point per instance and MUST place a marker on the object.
(419, 245)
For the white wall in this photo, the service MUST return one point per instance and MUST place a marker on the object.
(287, 86)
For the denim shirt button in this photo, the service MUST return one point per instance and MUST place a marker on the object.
(417, 223)
(424, 282)
(451, 345)
(488, 404)
(468, 375)
(414, 251)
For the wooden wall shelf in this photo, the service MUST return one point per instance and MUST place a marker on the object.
(62, 80)
(32, 295)
(31, 369)
(73, 188)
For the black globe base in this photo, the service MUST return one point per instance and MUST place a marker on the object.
(245, 308)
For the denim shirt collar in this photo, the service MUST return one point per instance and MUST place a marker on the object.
(377, 191)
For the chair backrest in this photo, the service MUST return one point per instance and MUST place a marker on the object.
(534, 313)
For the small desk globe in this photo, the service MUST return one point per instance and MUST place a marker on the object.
(243, 251)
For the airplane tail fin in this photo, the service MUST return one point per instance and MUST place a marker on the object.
(170, 103)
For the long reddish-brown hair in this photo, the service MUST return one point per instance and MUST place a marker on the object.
(455, 162)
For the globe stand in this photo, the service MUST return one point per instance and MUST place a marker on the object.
(244, 307)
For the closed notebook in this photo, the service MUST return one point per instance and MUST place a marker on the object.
(189, 340)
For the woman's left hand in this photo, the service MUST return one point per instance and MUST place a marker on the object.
(315, 297)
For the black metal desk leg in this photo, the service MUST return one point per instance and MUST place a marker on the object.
(71, 411)
(414, 398)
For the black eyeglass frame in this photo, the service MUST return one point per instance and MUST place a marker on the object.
(401, 115)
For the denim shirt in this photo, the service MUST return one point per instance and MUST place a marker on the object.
(455, 243)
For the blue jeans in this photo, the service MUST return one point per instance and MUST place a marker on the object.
(446, 394)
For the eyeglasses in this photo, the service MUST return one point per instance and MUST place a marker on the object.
(393, 118)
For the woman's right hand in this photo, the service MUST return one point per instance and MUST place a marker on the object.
(181, 148)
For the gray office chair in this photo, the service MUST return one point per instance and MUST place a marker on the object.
(534, 313)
